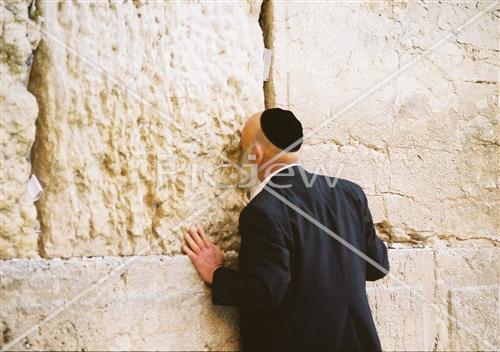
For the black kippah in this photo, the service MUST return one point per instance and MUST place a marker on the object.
(282, 128)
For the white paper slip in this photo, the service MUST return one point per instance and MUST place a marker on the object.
(38, 228)
(34, 188)
(267, 63)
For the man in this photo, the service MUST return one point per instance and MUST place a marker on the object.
(298, 287)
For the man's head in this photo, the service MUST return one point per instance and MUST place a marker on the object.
(270, 138)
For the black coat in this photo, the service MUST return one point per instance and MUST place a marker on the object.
(298, 287)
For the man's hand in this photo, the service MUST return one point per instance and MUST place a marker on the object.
(205, 256)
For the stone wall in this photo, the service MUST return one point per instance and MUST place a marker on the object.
(417, 129)
(18, 109)
(167, 309)
(435, 299)
(179, 83)
(401, 97)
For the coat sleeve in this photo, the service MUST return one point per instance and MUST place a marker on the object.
(264, 266)
(376, 249)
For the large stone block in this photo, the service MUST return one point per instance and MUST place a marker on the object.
(418, 130)
(476, 318)
(133, 97)
(402, 303)
(155, 303)
(160, 303)
(468, 282)
(18, 112)
(444, 299)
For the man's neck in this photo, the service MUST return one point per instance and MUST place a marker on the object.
(273, 169)
(270, 169)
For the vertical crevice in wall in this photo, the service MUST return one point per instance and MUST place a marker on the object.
(266, 24)
(37, 151)
(33, 86)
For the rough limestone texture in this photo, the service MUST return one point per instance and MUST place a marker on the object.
(130, 310)
(400, 304)
(418, 130)
(444, 299)
(430, 302)
(468, 283)
(18, 112)
(140, 104)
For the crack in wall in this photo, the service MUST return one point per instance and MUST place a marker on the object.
(398, 235)
(267, 25)
(33, 81)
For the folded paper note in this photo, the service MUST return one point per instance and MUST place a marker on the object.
(267, 63)
(34, 188)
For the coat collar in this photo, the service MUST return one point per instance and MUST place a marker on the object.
(262, 184)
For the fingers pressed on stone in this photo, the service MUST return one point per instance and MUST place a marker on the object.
(197, 238)
(192, 244)
(204, 237)
(189, 252)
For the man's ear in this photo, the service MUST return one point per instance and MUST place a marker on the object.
(258, 152)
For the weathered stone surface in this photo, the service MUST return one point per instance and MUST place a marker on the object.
(400, 303)
(160, 302)
(125, 91)
(18, 111)
(156, 303)
(422, 138)
(439, 299)
(468, 284)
